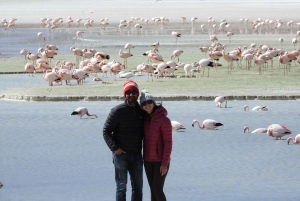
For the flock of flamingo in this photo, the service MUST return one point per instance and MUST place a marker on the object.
(276, 131)
(92, 61)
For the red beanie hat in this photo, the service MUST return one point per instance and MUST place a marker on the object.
(130, 85)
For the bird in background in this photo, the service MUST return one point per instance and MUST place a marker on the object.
(256, 108)
(209, 124)
(295, 141)
(177, 126)
(128, 46)
(258, 130)
(278, 131)
(176, 35)
(219, 100)
(82, 111)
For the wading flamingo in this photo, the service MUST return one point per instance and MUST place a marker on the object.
(82, 111)
(258, 130)
(125, 56)
(256, 108)
(177, 125)
(278, 131)
(219, 100)
(176, 35)
(176, 53)
(209, 124)
(295, 141)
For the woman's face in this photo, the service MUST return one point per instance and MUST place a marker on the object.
(148, 106)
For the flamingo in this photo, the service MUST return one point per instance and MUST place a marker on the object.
(229, 34)
(176, 35)
(40, 34)
(128, 46)
(278, 131)
(256, 108)
(230, 59)
(32, 57)
(155, 45)
(127, 75)
(79, 34)
(153, 56)
(204, 49)
(295, 141)
(101, 55)
(176, 53)
(294, 41)
(51, 77)
(30, 69)
(209, 124)
(125, 56)
(206, 63)
(184, 20)
(219, 100)
(51, 47)
(177, 126)
(82, 111)
(258, 130)
(213, 38)
(24, 52)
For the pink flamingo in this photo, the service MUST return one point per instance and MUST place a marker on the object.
(153, 56)
(82, 111)
(258, 130)
(229, 34)
(177, 125)
(204, 49)
(206, 63)
(51, 77)
(128, 46)
(24, 52)
(278, 131)
(230, 59)
(125, 56)
(101, 55)
(209, 124)
(295, 141)
(283, 59)
(256, 108)
(176, 53)
(30, 69)
(219, 100)
(51, 47)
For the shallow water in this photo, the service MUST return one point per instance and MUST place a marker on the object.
(48, 155)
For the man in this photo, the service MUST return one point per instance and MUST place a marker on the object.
(123, 134)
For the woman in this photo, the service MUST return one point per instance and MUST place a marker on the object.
(157, 145)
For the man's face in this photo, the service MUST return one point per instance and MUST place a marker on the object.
(131, 97)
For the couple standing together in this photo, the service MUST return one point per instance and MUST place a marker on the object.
(127, 127)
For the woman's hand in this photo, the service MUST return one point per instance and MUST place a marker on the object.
(163, 170)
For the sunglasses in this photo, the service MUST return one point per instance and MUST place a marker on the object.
(131, 92)
(146, 102)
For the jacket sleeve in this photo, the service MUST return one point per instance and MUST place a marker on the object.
(166, 129)
(108, 129)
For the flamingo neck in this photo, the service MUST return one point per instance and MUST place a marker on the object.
(91, 115)
(200, 126)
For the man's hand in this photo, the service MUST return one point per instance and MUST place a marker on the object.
(119, 151)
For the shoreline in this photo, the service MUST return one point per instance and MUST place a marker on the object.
(159, 98)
